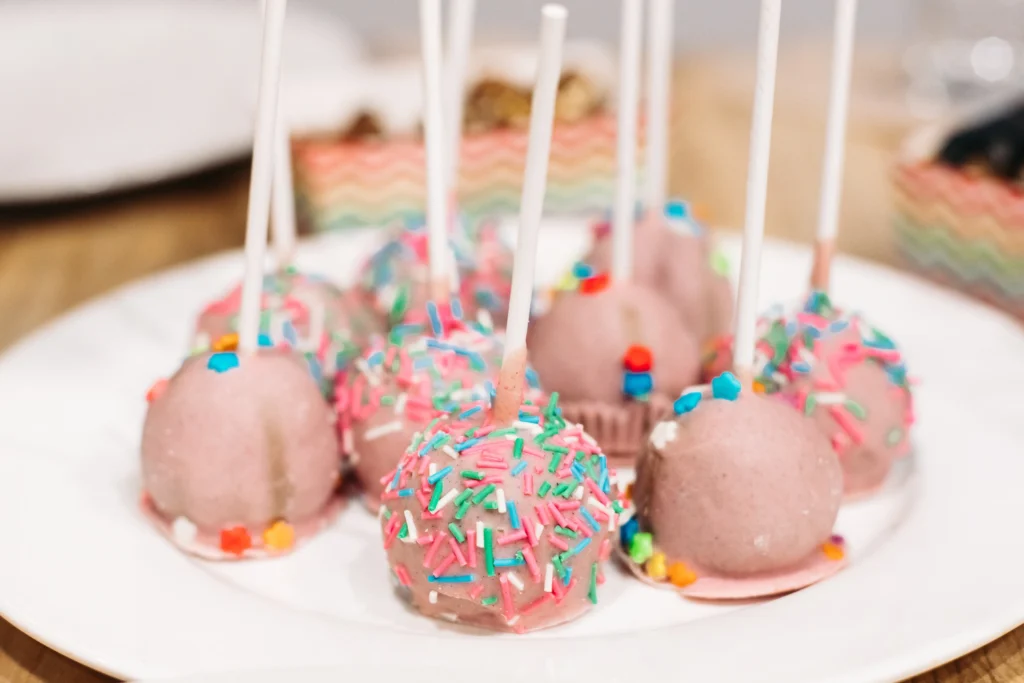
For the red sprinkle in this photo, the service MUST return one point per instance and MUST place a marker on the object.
(594, 283)
(156, 390)
(235, 540)
(638, 358)
(403, 575)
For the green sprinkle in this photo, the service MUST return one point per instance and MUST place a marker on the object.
(557, 562)
(387, 514)
(470, 432)
(457, 532)
(434, 497)
(484, 492)
(463, 509)
(472, 474)
(617, 506)
(417, 440)
(856, 409)
(894, 436)
(810, 404)
(592, 593)
(404, 531)
(489, 549)
(401, 304)
(517, 449)
(642, 547)
(487, 602)
(556, 460)
(562, 450)
(504, 431)
(562, 489)
(387, 400)
(544, 488)
(720, 263)
(562, 531)
(490, 505)
(464, 496)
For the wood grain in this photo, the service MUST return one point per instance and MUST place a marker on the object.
(52, 258)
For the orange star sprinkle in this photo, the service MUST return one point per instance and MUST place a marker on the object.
(833, 551)
(280, 536)
(226, 342)
(680, 575)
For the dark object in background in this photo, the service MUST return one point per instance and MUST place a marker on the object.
(997, 145)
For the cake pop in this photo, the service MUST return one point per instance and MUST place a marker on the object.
(239, 454)
(500, 516)
(671, 250)
(615, 350)
(831, 365)
(736, 495)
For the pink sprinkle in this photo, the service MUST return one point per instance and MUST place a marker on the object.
(543, 516)
(445, 563)
(582, 528)
(476, 592)
(535, 452)
(557, 514)
(568, 505)
(840, 442)
(392, 534)
(564, 473)
(425, 539)
(457, 551)
(513, 537)
(801, 398)
(438, 540)
(600, 576)
(557, 541)
(472, 483)
(423, 498)
(535, 604)
(842, 416)
(531, 535)
(600, 515)
(602, 554)
(387, 477)
(826, 384)
(492, 465)
(597, 492)
(403, 575)
(424, 466)
(557, 590)
(506, 597)
(568, 589)
(471, 544)
(493, 479)
(531, 562)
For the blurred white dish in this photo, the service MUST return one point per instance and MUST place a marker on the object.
(935, 572)
(108, 94)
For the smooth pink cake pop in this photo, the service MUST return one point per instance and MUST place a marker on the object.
(505, 529)
(239, 455)
(735, 497)
(846, 375)
(616, 354)
(672, 254)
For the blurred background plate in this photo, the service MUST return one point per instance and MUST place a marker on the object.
(112, 94)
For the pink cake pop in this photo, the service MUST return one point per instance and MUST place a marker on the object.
(736, 495)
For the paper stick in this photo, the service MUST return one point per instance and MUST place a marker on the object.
(625, 181)
(757, 187)
(542, 118)
(835, 143)
(262, 177)
(659, 87)
(460, 37)
(433, 125)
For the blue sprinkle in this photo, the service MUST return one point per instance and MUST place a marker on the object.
(791, 329)
(265, 341)
(813, 331)
(637, 383)
(514, 562)
(435, 319)
(375, 358)
(394, 480)
(448, 407)
(513, 514)
(439, 475)
(469, 412)
(605, 482)
(838, 326)
(801, 367)
(577, 472)
(289, 333)
(726, 386)
(467, 444)
(222, 361)
(456, 307)
(519, 468)
(627, 531)
(432, 444)
(422, 363)
(406, 328)
(677, 209)
(686, 402)
(581, 270)
(405, 493)
(567, 575)
(489, 386)
(583, 544)
(525, 417)
(532, 379)
(458, 578)
(589, 519)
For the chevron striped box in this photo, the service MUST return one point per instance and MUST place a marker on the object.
(963, 229)
(342, 184)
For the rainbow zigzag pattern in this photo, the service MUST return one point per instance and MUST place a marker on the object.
(347, 184)
(963, 230)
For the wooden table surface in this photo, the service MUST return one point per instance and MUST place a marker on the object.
(55, 257)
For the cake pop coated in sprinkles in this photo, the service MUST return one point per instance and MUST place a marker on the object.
(735, 497)
(844, 374)
(504, 529)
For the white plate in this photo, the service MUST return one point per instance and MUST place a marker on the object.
(108, 94)
(936, 565)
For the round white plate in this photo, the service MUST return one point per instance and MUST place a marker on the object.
(107, 94)
(936, 567)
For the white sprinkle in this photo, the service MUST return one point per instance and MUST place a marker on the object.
(598, 505)
(382, 430)
(664, 433)
(450, 452)
(528, 426)
(779, 378)
(483, 316)
(202, 342)
(807, 357)
(511, 437)
(447, 498)
(400, 404)
(825, 398)
(450, 616)
(611, 522)
(479, 534)
(371, 376)
(348, 445)
(184, 530)
(549, 575)
(418, 346)
(578, 493)
(381, 510)
(513, 620)
(432, 469)
(411, 538)
(538, 529)
(501, 501)
(432, 597)
(514, 579)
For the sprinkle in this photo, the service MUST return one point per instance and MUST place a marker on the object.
(457, 578)
(489, 600)
(435, 319)
(223, 361)
(235, 540)
(156, 390)
(479, 534)
(558, 543)
(532, 532)
(432, 597)
(473, 474)
(434, 478)
(512, 538)
(582, 545)
(726, 386)
(469, 412)
(681, 575)
(856, 409)
(447, 498)
(833, 551)
(403, 575)
(456, 532)
(655, 567)
(846, 421)
(457, 552)
(463, 509)
(464, 496)
(686, 402)
(641, 547)
(894, 436)
(489, 550)
(517, 448)
(513, 562)
(556, 459)
(506, 597)
(471, 544)
(544, 488)
(184, 531)
(411, 524)
(428, 559)
(483, 493)
(450, 452)
(514, 579)
(502, 507)
(589, 519)
(513, 513)
(592, 592)
(435, 498)
(442, 567)
(549, 574)
(382, 430)
(531, 562)
(518, 468)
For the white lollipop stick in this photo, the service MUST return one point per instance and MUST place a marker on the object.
(659, 85)
(835, 143)
(542, 119)
(262, 178)
(433, 130)
(460, 36)
(757, 187)
(625, 181)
